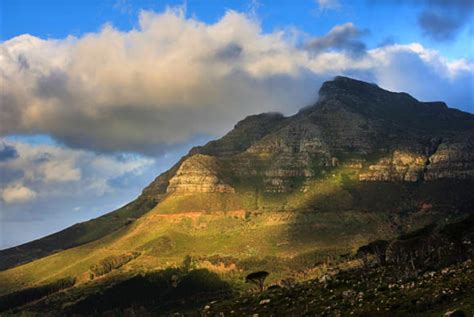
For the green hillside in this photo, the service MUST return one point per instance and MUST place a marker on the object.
(234, 226)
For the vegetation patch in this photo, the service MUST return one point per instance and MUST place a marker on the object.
(111, 263)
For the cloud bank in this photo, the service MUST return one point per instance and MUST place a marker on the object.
(175, 77)
(46, 171)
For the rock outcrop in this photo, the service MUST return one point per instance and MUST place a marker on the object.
(198, 174)
(452, 160)
(399, 166)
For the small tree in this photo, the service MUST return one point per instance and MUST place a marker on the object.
(187, 263)
(257, 278)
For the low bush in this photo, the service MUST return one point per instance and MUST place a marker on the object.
(112, 262)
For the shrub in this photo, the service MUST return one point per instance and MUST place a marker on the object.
(377, 248)
(112, 262)
(187, 263)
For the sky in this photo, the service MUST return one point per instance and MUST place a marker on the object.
(99, 97)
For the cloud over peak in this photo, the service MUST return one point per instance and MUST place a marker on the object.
(174, 77)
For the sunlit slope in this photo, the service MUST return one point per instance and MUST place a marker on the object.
(88, 231)
(337, 216)
(75, 235)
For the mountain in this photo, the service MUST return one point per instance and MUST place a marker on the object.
(279, 193)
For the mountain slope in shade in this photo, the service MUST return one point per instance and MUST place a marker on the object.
(361, 163)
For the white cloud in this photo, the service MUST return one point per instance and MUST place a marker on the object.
(173, 78)
(156, 85)
(17, 193)
(45, 163)
(44, 171)
(328, 4)
(61, 171)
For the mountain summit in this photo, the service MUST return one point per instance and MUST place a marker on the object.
(361, 163)
(376, 134)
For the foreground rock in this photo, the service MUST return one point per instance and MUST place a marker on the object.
(363, 292)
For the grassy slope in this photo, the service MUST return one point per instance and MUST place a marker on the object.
(324, 220)
(75, 235)
(353, 289)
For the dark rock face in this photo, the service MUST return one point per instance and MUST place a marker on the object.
(380, 135)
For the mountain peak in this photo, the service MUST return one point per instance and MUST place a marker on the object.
(342, 86)
(344, 80)
(393, 108)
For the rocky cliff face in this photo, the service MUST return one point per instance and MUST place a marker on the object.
(198, 174)
(356, 126)
(453, 159)
(398, 166)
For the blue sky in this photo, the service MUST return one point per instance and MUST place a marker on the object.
(385, 21)
(99, 97)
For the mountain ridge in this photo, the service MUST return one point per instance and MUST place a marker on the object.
(348, 133)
